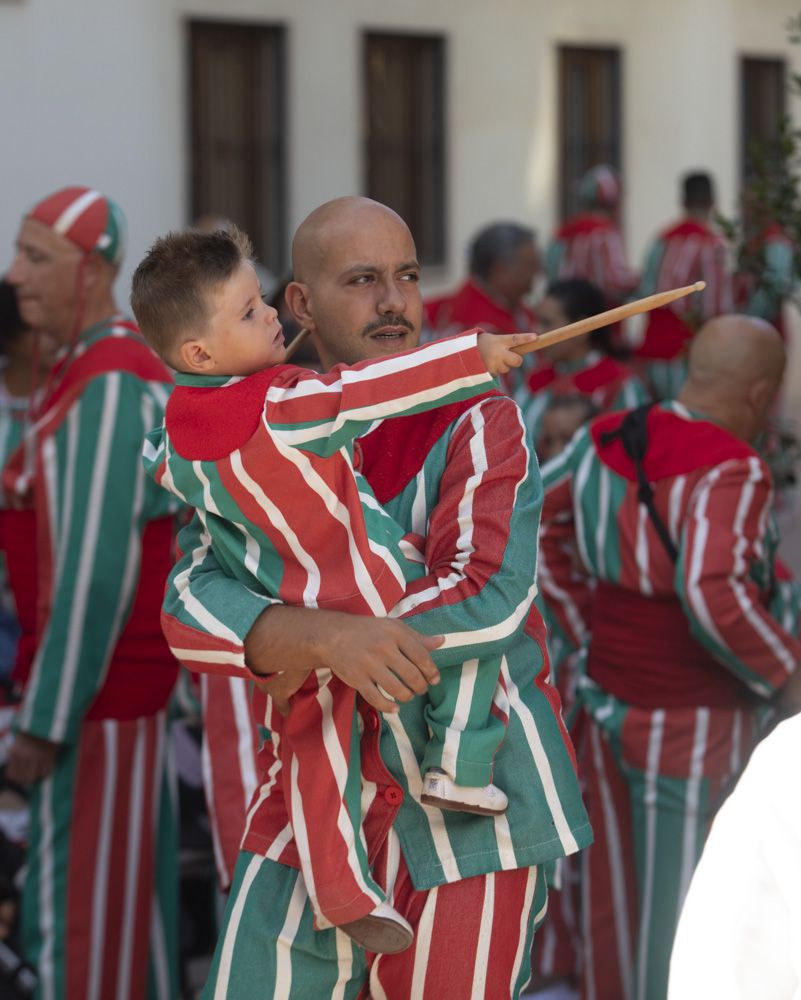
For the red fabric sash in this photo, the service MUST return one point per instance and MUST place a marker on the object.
(642, 652)
(395, 451)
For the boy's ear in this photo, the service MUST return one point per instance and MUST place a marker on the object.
(296, 297)
(194, 357)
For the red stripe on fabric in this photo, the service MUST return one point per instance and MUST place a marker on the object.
(472, 307)
(182, 636)
(115, 900)
(455, 922)
(582, 224)
(84, 855)
(89, 226)
(145, 868)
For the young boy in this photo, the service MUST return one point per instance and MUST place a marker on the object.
(265, 452)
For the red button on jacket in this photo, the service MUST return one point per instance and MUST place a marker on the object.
(393, 796)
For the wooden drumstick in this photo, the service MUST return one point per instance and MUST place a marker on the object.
(298, 339)
(610, 316)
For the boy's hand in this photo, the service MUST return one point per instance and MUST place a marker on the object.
(496, 350)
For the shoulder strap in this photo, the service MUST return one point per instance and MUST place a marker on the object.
(633, 434)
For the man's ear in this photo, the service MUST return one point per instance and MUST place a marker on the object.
(297, 298)
(95, 271)
(194, 357)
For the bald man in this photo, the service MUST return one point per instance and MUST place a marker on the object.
(666, 511)
(463, 480)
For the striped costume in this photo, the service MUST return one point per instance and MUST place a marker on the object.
(590, 246)
(608, 383)
(680, 657)
(267, 461)
(462, 477)
(763, 295)
(89, 560)
(686, 252)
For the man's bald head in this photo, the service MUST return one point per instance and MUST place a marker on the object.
(735, 368)
(736, 349)
(325, 229)
(356, 281)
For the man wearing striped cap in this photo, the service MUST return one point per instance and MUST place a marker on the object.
(589, 245)
(667, 510)
(90, 737)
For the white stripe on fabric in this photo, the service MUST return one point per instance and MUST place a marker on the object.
(468, 675)
(244, 728)
(522, 934)
(208, 656)
(675, 499)
(133, 861)
(694, 593)
(286, 939)
(617, 866)
(650, 798)
(736, 755)
(541, 761)
(302, 843)
(232, 930)
(47, 902)
(754, 619)
(414, 781)
(482, 949)
(602, 527)
(105, 837)
(493, 633)
(579, 488)
(642, 553)
(344, 946)
(422, 939)
(692, 819)
(74, 211)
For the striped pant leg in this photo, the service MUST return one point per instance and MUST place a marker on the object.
(466, 725)
(678, 762)
(163, 970)
(473, 938)
(268, 948)
(87, 900)
(557, 946)
(608, 876)
(319, 750)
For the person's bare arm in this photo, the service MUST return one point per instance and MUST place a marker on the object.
(379, 657)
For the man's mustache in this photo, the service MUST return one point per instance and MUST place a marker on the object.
(381, 324)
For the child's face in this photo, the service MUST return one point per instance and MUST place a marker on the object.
(556, 431)
(244, 335)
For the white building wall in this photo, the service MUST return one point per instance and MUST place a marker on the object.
(93, 91)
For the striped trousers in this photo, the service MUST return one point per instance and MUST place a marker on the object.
(653, 781)
(99, 904)
(473, 938)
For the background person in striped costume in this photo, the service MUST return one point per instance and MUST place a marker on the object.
(462, 478)
(99, 907)
(689, 250)
(266, 459)
(684, 648)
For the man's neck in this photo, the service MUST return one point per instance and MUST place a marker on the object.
(92, 313)
(707, 406)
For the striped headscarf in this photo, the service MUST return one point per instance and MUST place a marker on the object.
(88, 219)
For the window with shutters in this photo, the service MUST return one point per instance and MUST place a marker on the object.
(404, 133)
(237, 131)
(589, 117)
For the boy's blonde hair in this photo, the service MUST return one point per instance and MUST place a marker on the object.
(171, 286)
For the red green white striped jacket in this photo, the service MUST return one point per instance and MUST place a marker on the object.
(590, 246)
(267, 461)
(102, 540)
(714, 494)
(463, 478)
